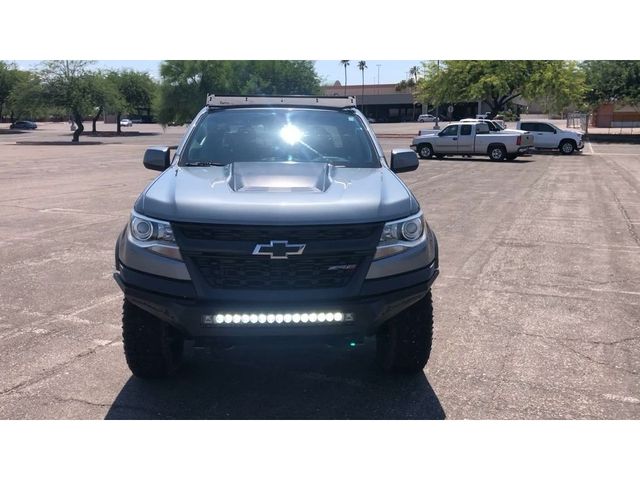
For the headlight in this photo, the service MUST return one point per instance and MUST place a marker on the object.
(156, 235)
(400, 235)
(141, 229)
(146, 229)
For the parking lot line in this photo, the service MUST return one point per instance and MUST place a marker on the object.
(620, 154)
(590, 147)
(592, 151)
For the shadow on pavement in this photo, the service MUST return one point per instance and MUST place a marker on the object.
(57, 143)
(12, 131)
(311, 382)
(474, 159)
(110, 134)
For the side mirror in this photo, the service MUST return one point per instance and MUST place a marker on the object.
(157, 158)
(403, 160)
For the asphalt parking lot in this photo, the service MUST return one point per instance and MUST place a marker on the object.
(537, 308)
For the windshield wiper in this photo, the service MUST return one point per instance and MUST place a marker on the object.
(203, 164)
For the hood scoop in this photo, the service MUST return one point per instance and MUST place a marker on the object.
(280, 177)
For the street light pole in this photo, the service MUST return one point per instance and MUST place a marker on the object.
(378, 65)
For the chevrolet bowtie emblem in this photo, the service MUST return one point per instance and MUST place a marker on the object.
(279, 249)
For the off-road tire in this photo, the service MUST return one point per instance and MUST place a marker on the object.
(153, 348)
(567, 147)
(404, 342)
(425, 150)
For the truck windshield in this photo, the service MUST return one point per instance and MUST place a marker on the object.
(280, 134)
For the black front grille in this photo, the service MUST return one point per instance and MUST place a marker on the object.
(248, 272)
(255, 233)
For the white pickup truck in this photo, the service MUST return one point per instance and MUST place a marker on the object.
(469, 139)
(549, 136)
(494, 127)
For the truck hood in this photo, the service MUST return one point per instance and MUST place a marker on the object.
(277, 194)
(573, 131)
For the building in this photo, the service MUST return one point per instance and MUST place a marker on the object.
(381, 102)
(384, 103)
(609, 115)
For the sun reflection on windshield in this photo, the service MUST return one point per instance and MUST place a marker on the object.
(291, 134)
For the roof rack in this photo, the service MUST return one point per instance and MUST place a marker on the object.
(297, 100)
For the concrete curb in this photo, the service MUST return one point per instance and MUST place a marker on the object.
(613, 138)
(395, 135)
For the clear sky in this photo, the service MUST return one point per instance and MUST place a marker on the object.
(391, 71)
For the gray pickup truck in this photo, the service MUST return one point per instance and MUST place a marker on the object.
(278, 219)
(470, 139)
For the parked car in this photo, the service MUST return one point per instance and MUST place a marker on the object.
(425, 117)
(125, 122)
(464, 139)
(279, 222)
(23, 125)
(547, 136)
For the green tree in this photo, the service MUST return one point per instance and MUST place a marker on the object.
(345, 64)
(497, 82)
(136, 91)
(185, 83)
(557, 86)
(9, 76)
(404, 84)
(104, 95)
(69, 84)
(274, 77)
(612, 81)
(26, 99)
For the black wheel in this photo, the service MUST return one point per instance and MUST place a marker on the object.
(567, 147)
(497, 152)
(439, 156)
(153, 348)
(425, 150)
(512, 156)
(404, 342)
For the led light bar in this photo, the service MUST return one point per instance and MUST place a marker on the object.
(275, 318)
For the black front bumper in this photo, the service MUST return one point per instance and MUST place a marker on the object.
(176, 302)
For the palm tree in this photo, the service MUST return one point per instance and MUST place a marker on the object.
(415, 70)
(361, 66)
(345, 64)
